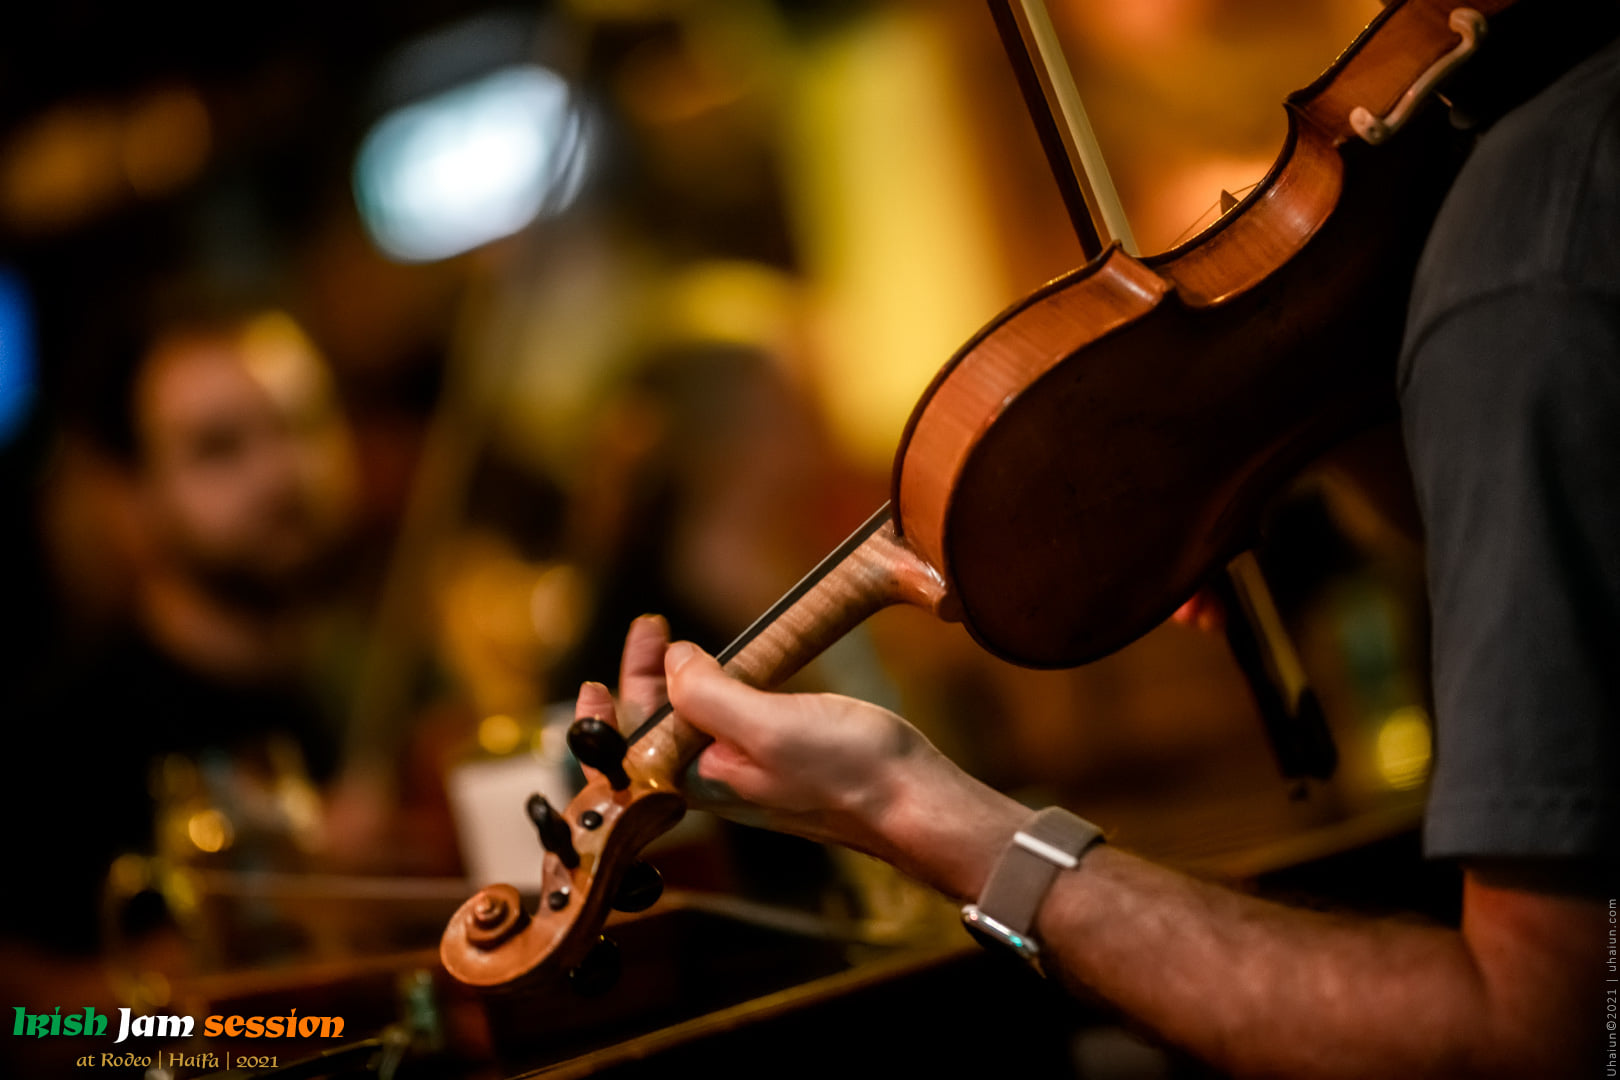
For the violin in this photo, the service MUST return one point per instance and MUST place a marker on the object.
(1082, 465)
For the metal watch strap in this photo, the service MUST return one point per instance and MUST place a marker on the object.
(1051, 841)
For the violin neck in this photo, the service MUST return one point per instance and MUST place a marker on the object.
(866, 573)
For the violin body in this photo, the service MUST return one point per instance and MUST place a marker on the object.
(1080, 466)
(1099, 449)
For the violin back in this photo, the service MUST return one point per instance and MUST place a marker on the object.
(1089, 458)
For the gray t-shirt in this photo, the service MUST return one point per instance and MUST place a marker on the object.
(1510, 397)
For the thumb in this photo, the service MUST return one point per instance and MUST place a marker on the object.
(709, 699)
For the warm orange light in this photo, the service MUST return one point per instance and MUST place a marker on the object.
(129, 874)
(165, 141)
(210, 831)
(499, 734)
(278, 353)
(61, 168)
(83, 158)
(895, 222)
(557, 605)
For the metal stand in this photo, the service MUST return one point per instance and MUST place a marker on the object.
(1292, 716)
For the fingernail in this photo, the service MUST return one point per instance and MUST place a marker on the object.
(593, 687)
(678, 654)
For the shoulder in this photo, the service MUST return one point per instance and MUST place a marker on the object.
(1536, 206)
(1510, 400)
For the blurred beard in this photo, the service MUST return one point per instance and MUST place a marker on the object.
(261, 590)
(259, 579)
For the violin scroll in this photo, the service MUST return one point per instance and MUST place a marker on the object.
(493, 941)
(592, 847)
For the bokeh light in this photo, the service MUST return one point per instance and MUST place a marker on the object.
(210, 831)
(17, 362)
(471, 165)
(499, 734)
(1404, 748)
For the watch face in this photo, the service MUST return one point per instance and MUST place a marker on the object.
(993, 935)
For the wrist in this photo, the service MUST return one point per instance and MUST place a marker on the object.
(942, 826)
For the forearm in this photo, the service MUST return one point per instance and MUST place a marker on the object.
(1265, 990)
(1256, 988)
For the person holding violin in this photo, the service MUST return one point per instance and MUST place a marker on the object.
(1509, 385)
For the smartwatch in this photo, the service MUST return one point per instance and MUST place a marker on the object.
(1051, 841)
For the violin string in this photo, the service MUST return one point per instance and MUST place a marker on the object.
(791, 597)
(1190, 229)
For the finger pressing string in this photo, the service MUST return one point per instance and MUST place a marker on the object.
(711, 700)
(641, 671)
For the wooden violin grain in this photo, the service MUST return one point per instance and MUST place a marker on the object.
(1081, 465)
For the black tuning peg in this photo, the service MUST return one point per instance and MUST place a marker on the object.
(640, 889)
(600, 969)
(598, 744)
(555, 834)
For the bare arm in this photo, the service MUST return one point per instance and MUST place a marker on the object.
(1253, 987)
(1265, 990)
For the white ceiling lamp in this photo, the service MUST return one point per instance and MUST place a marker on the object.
(472, 164)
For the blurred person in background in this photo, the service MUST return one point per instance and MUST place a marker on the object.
(225, 481)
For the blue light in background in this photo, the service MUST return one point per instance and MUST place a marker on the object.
(18, 364)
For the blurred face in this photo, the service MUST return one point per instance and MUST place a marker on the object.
(245, 462)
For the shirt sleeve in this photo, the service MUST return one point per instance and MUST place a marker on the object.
(1511, 407)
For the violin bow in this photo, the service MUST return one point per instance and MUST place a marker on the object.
(1255, 632)
(1061, 122)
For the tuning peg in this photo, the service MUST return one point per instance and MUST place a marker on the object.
(600, 969)
(555, 834)
(640, 889)
(598, 744)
